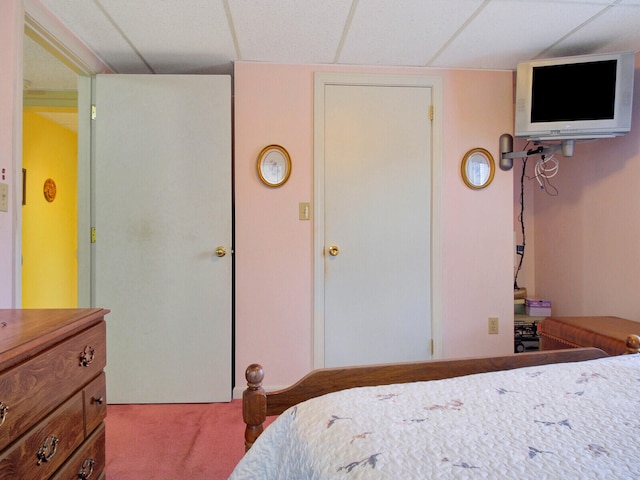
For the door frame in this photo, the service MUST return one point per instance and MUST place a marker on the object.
(321, 80)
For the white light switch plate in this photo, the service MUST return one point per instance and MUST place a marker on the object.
(4, 197)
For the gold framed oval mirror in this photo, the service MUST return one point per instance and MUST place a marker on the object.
(477, 168)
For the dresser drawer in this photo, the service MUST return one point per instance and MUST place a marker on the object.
(42, 450)
(29, 391)
(95, 403)
(88, 461)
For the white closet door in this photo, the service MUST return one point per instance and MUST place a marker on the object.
(161, 207)
(377, 212)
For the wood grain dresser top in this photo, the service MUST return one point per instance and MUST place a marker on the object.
(25, 332)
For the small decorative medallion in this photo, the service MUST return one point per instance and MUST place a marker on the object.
(49, 190)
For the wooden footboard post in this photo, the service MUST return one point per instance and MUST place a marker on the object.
(254, 405)
(633, 344)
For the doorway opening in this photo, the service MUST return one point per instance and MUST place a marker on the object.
(50, 180)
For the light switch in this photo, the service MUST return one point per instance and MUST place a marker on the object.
(304, 211)
(4, 197)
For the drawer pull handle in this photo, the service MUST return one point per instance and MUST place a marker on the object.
(87, 356)
(4, 409)
(86, 470)
(48, 449)
(99, 400)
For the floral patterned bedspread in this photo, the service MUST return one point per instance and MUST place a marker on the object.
(564, 421)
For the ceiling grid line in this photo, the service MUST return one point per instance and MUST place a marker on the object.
(232, 29)
(123, 35)
(457, 33)
(345, 30)
(577, 28)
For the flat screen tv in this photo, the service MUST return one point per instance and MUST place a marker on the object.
(586, 96)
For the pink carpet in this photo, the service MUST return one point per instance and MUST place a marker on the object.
(194, 441)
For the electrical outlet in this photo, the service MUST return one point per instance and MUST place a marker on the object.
(493, 325)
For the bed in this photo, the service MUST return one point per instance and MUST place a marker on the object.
(554, 414)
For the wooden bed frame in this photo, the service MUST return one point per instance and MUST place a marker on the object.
(258, 404)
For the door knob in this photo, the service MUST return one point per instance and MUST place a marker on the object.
(334, 250)
(221, 251)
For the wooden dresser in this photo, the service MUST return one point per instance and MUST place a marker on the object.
(606, 333)
(52, 394)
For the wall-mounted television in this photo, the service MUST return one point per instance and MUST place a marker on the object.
(586, 96)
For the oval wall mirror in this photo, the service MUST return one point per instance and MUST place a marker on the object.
(477, 168)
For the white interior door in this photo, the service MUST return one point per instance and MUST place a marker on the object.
(377, 212)
(162, 205)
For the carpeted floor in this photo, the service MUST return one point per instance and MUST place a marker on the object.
(167, 442)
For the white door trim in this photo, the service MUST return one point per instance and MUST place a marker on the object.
(435, 83)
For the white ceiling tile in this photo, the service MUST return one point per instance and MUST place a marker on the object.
(616, 30)
(85, 19)
(403, 32)
(289, 31)
(507, 32)
(173, 36)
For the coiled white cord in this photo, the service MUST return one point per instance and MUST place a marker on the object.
(545, 169)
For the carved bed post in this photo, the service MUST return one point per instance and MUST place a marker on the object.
(254, 405)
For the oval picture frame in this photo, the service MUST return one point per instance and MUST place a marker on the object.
(477, 168)
(274, 166)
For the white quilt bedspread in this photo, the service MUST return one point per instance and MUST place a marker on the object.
(568, 421)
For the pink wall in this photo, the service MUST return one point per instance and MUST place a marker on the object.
(274, 317)
(587, 259)
(11, 33)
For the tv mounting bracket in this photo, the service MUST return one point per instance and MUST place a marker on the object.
(507, 154)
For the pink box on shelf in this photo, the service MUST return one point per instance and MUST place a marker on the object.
(535, 307)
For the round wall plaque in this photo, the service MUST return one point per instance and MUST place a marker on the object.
(49, 190)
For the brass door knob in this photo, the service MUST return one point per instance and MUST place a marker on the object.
(221, 251)
(334, 250)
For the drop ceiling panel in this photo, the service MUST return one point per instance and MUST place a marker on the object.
(289, 31)
(616, 30)
(403, 32)
(89, 23)
(507, 32)
(190, 36)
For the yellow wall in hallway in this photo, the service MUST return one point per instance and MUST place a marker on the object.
(49, 229)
